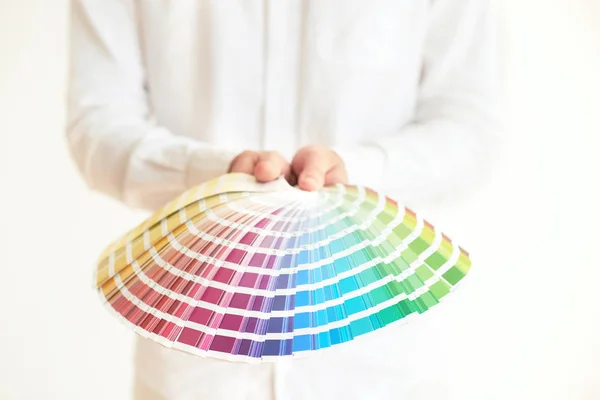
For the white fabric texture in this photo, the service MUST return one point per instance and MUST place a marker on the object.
(163, 95)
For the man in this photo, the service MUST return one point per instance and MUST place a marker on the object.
(391, 94)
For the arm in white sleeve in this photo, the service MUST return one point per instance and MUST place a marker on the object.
(446, 146)
(118, 148)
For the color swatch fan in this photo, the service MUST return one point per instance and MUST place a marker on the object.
(243, 271)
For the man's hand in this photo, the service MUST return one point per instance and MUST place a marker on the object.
(312, 167)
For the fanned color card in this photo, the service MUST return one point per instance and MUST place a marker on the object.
(244, 271)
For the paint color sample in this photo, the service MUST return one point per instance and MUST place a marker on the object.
(243, 271)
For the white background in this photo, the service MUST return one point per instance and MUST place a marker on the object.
(528, 322)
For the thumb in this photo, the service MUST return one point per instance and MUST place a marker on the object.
(312, 166)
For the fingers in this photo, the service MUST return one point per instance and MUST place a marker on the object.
(313, 167)
(266, 166)
(318, 166)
